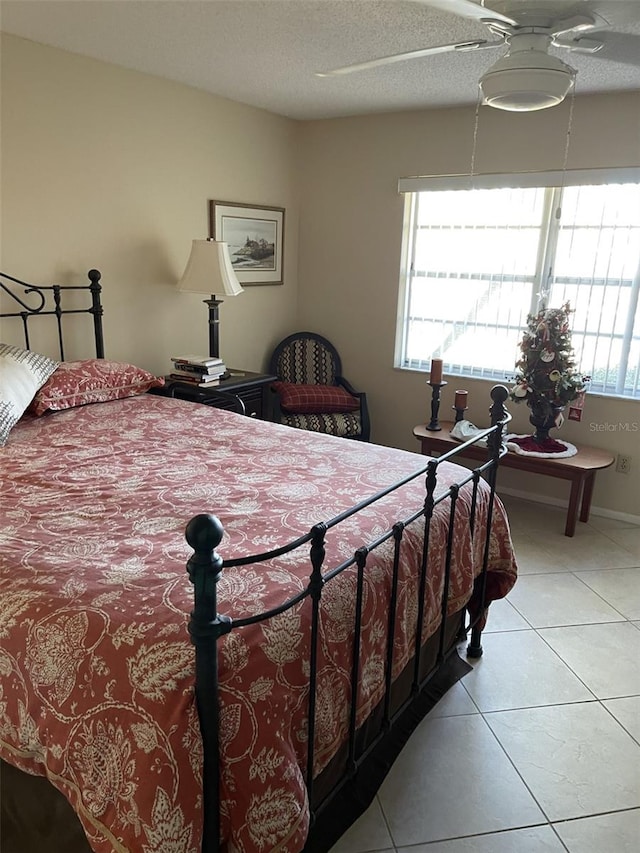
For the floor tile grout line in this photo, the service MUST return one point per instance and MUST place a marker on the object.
(517, 611)
(553, 825)
(512, 763)
(545, 819)
(618, 529)
(386, 821)
(594, 698)
(568, 625)
(508, 757)
(557, 835)
(620, 621)
(526, 573)
(572, 572)
(616, 568)
(405, 847)
(550, 822)
(564, 663)
(596, 814)
(595, 592)
(560, 658)
(610, 712)
(554, 705)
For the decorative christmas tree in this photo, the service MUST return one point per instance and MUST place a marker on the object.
(546, 376)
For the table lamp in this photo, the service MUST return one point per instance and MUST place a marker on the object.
(209, 270)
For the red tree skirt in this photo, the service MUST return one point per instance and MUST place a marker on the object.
(528, 446)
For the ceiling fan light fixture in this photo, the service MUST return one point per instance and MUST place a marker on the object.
(526, 81)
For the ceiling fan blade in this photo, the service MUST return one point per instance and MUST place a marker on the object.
(469, 9)
(565, 27)
(411, 54)
(619, 47)
(579, 45)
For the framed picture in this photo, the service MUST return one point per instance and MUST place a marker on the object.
(255, 235)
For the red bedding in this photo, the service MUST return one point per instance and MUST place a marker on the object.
(96, 666)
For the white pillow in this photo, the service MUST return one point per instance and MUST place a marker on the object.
(22, 373)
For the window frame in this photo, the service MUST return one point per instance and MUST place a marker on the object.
(554, 183)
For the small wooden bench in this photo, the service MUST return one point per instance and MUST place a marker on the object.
(580, 469)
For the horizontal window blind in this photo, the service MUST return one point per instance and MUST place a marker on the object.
(477, 262)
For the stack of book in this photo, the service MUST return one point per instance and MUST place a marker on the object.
(198, 369)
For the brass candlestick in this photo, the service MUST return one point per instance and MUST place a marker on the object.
(433, 424)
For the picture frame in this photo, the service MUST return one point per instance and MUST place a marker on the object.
(255, 236)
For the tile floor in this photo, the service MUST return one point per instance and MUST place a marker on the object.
(537, 750)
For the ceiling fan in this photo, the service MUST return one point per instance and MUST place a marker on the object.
(527, 77)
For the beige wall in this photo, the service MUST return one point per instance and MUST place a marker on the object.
(350, 243)
(108, 168)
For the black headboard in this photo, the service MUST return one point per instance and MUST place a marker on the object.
(39, 301)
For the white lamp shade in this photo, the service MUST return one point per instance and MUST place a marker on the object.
(209, 270)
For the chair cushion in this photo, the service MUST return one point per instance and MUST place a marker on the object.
(315, 399)
(346, 425)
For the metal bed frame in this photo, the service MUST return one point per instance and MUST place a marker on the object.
(206, 625)
(47, 302)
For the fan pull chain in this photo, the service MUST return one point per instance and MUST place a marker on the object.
(559, 193)
(472, 168)
(567, 142)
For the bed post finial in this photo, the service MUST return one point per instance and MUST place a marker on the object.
(499, 395)
(499, 418)
(96, 310)
(204, 533)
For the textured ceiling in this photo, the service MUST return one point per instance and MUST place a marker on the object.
(265, 52)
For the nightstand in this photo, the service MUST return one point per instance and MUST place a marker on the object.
(242, 391)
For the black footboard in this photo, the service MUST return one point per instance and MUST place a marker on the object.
(204, 533)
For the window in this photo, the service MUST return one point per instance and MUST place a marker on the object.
(476, 262)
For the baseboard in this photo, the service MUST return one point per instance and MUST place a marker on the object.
(549, 501)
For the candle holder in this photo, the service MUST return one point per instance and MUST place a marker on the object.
(459, 413)
(433, 424)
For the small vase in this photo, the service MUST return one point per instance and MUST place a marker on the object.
(544, 419)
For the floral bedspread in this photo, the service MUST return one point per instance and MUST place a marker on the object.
(96, 666)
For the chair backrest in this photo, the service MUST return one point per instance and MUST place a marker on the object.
(307, 359)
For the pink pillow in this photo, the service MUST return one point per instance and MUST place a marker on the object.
(315, 399)
(76, 383)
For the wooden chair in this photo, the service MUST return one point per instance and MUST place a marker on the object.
(311, 392)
